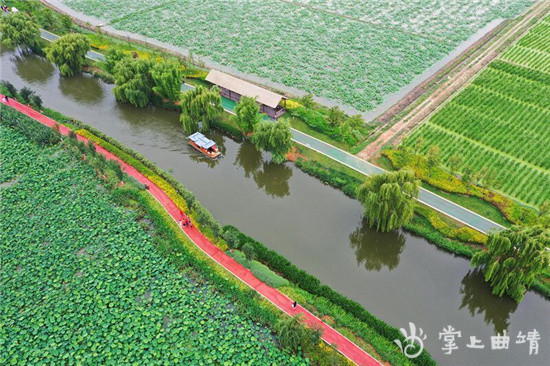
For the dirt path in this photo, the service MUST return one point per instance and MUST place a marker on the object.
(281, 301)
(448, 88)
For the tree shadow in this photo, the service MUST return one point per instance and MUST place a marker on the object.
(32, 68)
(249, 158)
(478, 298)
(376, 250)
(271, 177)
(83, 89)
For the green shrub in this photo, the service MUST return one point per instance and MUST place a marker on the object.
(228, 129)
(264, 274)
(330, 176)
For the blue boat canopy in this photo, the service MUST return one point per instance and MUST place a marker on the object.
(201, 140)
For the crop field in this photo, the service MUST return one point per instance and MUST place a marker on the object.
(501, 121)
(355, 52)
(82, 282)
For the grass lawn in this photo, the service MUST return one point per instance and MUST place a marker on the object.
(472, 203)
(300, 125)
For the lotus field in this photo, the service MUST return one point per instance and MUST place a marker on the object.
(83, 283)
(355, 52)
(501, 122)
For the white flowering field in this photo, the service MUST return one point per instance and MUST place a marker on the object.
(352, 51)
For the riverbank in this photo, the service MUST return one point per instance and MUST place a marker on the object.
(382, 343)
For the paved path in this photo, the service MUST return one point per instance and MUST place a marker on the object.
(331, 336)
(92, 55)
(426, 197)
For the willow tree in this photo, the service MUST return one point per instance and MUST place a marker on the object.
(389, 199)
(133, 82)
(168, 76)
(513, 258)
(247, 114)
(274, 137)
(295, 336)
(19, 30)
(200, 105)
(69, 53)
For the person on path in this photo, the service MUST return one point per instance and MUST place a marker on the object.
(7, 99)
(294, 304)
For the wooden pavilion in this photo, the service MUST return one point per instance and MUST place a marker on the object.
(233, 88)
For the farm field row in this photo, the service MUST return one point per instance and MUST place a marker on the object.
(82, 280)
(336, 50)
(501, 121)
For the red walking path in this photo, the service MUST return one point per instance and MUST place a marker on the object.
(331, 336)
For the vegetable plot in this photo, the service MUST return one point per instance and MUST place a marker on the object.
(83, 283)
(501, 122)
(356, 52)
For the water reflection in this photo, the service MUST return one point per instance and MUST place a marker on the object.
(477, 298)
(376, 250)
(249, 158)
(271, 177)
(82, 89)
(32, 68)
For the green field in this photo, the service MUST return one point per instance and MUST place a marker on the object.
(82, 281)
(501, 121)
(356, 52)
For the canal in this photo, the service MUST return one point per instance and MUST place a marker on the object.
(396, 276)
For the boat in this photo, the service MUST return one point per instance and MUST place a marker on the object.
(204, 145)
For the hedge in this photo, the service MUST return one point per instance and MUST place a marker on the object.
(228, 129)
(311, 284)
(330, 176)
(261, 271)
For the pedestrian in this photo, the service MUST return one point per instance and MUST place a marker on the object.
(7, 99)
(146, 186)
(294, 304)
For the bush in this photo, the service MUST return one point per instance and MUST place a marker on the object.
(261, 271)
(26, 95)
(228, 129)
(10, 90)
(36, 102)
(264, 274)
(330, 176)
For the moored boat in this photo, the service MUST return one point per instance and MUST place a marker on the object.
(204, 145)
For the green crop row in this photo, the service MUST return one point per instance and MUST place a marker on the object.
(500, 122)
